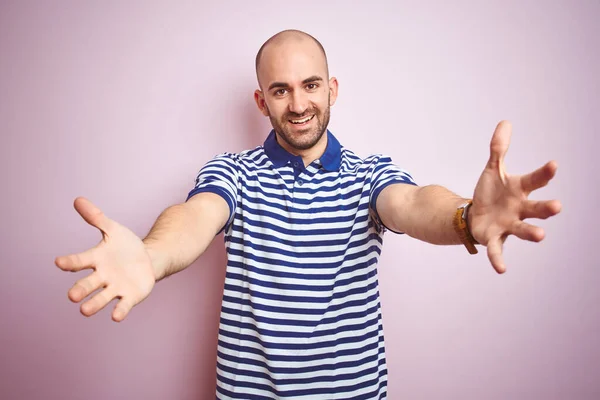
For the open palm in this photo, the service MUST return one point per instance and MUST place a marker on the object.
(121, 264)
(500, 201)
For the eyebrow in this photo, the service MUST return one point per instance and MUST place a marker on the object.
(314, 78)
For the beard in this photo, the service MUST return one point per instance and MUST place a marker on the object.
(306, 138)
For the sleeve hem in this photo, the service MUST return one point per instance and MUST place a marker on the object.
(373, 202)
(218, 191)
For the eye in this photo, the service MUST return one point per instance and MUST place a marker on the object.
(280, 92)
(312, 86)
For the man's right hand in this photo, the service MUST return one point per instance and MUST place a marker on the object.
(121, 264)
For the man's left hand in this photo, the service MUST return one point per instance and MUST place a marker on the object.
(500, 201)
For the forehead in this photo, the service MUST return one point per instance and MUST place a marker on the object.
(291, 62)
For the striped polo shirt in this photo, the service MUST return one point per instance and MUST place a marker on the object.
(301, 316)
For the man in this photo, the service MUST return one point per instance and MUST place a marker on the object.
(303, 219)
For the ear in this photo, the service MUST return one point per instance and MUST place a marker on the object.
(259, 98)
(333, 90)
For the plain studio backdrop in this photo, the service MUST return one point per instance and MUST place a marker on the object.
(123, 102)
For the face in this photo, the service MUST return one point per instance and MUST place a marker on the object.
(297, 94)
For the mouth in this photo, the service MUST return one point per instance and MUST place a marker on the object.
(301, 122)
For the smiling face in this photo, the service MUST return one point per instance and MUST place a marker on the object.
(296, 91)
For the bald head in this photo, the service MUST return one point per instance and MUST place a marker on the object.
(286, 39)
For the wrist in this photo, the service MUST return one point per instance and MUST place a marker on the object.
(157, 260)
(461, 223)
(468, 219)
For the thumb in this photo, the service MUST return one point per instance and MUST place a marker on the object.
(499, 145)
(91, 214)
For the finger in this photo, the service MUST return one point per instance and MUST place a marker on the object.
(494, 251)
(526, 231)
(541, 209)
(76, 262)
(539, 178)
(499, 144)
(91, 214)
(122, 309)
(85, 286)
(98, 302)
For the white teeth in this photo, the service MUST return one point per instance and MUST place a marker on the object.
(301, 121)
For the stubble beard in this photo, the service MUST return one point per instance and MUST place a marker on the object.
(304, 139)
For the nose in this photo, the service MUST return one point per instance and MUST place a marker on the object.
(298, 102)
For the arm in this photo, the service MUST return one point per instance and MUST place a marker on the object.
(500, 204)
(125, 267)
(424, 213)
(183, 232)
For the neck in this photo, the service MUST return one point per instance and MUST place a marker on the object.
(308, 155)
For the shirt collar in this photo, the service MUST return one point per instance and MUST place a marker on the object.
(330, 159)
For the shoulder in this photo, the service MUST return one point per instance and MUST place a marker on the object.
(350, 160)
(244, 163)
(251, 156)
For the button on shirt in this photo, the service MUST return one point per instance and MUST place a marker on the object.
(301, 316)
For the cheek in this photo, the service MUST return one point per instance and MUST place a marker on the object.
(279, 110)
(321, 101)
(321, 105)
(273, 110)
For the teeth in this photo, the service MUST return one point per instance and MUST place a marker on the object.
(301, 121)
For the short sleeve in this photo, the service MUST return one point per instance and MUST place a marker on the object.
(219, 176)
(386, 173)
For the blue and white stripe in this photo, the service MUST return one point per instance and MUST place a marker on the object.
(301, 315)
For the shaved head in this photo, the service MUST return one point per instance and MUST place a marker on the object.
(284, 38)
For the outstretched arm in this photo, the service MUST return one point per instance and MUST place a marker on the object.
(125, 267)
(183, 232)
(500, 204)
(424, 213)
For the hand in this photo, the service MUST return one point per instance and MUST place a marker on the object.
(121, 264)
(500, 202)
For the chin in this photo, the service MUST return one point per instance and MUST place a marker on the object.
(305, 140)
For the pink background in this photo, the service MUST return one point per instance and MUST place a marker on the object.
(123, 102)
